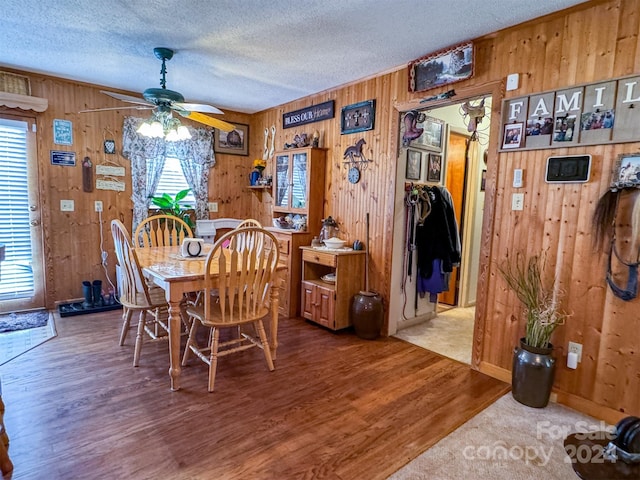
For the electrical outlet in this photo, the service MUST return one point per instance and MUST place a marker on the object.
(577, 349)
(517, 201)
(213, 207)
(98, 206)
(67, 206)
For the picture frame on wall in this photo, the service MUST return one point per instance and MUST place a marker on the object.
(414, 164)
(358, 117)
(626, 172)
(431, 138)
(512, 136)
(441, 68)
(434, 168)
(235, 142)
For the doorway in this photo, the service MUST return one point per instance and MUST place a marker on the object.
(464, 166)
(21, 271)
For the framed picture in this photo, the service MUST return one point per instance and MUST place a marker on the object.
(434, 171)
(512, 137)
(626, 172)
(441, 68)
(358, 117)
(235, 142)
(62, 132)
(414, 164)
(431, 138)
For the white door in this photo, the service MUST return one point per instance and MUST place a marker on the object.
(21, 272)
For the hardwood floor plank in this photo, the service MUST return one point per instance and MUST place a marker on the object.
(336, 407)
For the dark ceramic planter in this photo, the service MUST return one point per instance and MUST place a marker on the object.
(532, 374)
(367, 315)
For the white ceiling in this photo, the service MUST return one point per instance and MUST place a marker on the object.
(243, 55)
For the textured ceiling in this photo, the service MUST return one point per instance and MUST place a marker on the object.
(243, 55)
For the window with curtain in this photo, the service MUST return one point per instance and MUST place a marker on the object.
(148, 157)
(172, 180)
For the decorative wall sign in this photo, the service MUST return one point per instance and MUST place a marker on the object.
(62, 132)
(414, 164)
(441, 68)
(568, 169)
(110, 147)
(110, 170)
(358, 117)
(235, 142)
(114, 184)
(314, 113)
(591, 114)
(65, 159)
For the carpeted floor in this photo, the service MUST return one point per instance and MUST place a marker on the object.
(14, 344)
(506, 441)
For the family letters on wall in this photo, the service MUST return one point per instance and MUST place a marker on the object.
(600, 113)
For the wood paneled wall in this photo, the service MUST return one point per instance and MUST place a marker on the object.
(72, 239)
(591, 42)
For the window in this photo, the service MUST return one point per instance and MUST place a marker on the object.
(172, 181)
(16, 272)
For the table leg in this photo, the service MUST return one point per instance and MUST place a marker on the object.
(275, 303)
(175, 322)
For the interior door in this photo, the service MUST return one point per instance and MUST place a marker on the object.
(22, 272)
(456, 173)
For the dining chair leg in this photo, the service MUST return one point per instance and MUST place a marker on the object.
(265, 344)
(213, 361)
(126, 325)
(191, 339)
(139, 337)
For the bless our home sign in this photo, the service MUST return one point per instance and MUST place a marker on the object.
(314, 113)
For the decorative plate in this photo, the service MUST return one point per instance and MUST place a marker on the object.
(329, 278)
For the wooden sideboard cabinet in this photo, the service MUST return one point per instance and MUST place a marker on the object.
(326, 303)
(289, 243)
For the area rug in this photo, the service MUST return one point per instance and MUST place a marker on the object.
(23, 320)
(15, 343)
(506, 441)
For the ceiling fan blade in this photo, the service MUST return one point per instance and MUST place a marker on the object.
(207, 120)
(124, 107)
(126, 98)
(198, 107)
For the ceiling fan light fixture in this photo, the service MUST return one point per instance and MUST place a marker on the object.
(163, 125)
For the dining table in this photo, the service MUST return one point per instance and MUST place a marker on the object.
(178, 275)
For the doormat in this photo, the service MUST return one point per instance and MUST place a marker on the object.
(71, 309)
(23, 320)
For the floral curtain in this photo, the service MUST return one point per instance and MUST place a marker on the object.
(196, 158)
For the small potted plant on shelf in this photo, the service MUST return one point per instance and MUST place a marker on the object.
(258, 167)
(533, 369)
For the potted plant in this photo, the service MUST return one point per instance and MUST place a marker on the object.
(172, 206)
(533, 369)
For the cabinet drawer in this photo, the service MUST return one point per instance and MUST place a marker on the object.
(322, 258)
(284, 244)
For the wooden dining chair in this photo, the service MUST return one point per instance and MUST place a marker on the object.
(243, 278)
(161, 231)
(249, 222)
(136, 295)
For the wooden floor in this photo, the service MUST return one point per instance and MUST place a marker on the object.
(336, 407)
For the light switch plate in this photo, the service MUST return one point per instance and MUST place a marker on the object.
(213, 207)
(517, 201)
(517, 178)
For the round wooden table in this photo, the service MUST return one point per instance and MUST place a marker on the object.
(589, 462)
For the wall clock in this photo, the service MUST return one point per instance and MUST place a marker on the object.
(354, 175)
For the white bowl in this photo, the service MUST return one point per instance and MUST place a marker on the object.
(334, 242)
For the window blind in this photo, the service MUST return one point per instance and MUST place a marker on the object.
(172, 181)
(16, 277)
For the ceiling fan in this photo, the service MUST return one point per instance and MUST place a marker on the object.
(165, 101)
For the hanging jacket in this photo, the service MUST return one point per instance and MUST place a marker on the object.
(438, 237)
